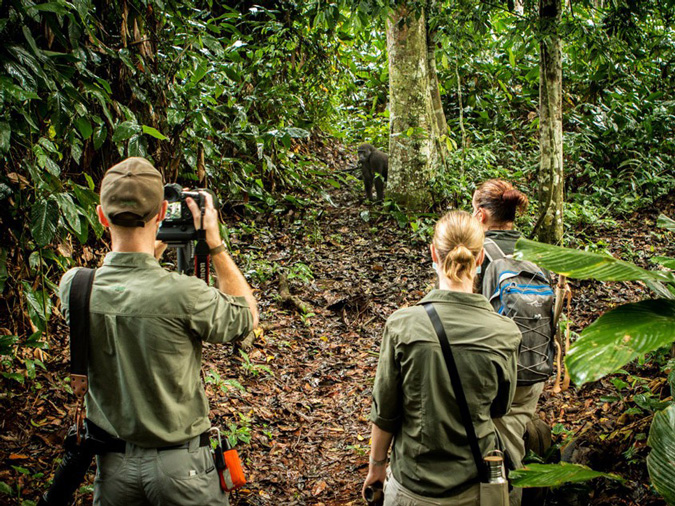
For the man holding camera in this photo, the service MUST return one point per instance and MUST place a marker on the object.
(147, 328)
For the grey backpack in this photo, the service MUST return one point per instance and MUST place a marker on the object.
(523, 292)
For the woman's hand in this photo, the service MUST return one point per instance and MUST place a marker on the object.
(380, 441)
(376, 473)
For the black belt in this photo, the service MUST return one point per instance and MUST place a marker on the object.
(102, 442)
(119, 445)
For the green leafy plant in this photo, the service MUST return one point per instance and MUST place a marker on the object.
(301, 272)
(224, 385)
(239, 432)
(551, 475)
(252, 368)
(617, 337)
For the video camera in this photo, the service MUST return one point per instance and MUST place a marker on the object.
(178, 230)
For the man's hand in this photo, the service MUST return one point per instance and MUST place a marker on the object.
(211, 222)
(160, 248)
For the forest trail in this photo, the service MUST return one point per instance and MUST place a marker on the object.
(304, 394)
(310, 421)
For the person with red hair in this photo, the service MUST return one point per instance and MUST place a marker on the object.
(496, 203)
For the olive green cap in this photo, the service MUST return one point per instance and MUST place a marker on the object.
(132, 192)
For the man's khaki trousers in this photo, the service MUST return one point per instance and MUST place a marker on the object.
(145, 476)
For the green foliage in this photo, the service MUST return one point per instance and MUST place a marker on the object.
(301, 272)
(617, 337)
(585, 265)
(224, 385)
(660, 459)
(252, 368)
(665, 222)
(617, 93)
(5, 489)
(554, 475)
(229, 93)
(239, 432)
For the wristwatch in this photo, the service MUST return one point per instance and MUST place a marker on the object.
(218, 249)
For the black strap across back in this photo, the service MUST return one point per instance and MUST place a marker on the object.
(80, 293)
(459, 391)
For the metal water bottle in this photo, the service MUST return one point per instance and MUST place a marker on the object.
(496, 491)
(495, 464)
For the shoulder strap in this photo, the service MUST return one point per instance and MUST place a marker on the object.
(78, 309)
(457, 387)
(492, 250)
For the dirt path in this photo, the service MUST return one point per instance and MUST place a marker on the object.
(309, 421)
(298, 400)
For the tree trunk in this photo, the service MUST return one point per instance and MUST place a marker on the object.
(519, 7)
(441, 125)
(550, 225)
(416, 115)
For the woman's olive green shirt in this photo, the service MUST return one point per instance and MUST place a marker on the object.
(414, 399)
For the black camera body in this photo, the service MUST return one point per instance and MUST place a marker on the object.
(178, 226)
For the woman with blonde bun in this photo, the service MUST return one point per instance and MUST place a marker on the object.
(414, 404)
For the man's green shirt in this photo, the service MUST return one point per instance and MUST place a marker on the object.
(414, 399)
(147, 327)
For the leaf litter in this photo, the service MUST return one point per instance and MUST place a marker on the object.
(298, 400)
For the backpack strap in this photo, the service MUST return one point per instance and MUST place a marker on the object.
(78, 310)
(459, 391)
(492, 250)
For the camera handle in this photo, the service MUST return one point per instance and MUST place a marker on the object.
(202, 256)
(185, 254)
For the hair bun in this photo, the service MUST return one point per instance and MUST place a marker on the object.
(515, 198)
(461, 254)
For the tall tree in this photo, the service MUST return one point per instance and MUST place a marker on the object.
(417, 121)
(549, 228)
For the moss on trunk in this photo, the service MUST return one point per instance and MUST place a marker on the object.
(550, 225)
(413, 124)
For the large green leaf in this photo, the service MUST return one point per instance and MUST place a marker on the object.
(5, 136)
(84, 126)
(39, 305)
(661, 460)
(69, 211)
(44, 217)
(100, 135)
(554, 475)
(619, 336)
(154, 133)
(125, 130)
(583, 264)
(7, 345)
(55, 7)
(666, 222)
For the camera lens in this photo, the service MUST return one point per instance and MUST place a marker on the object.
(172, 192)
